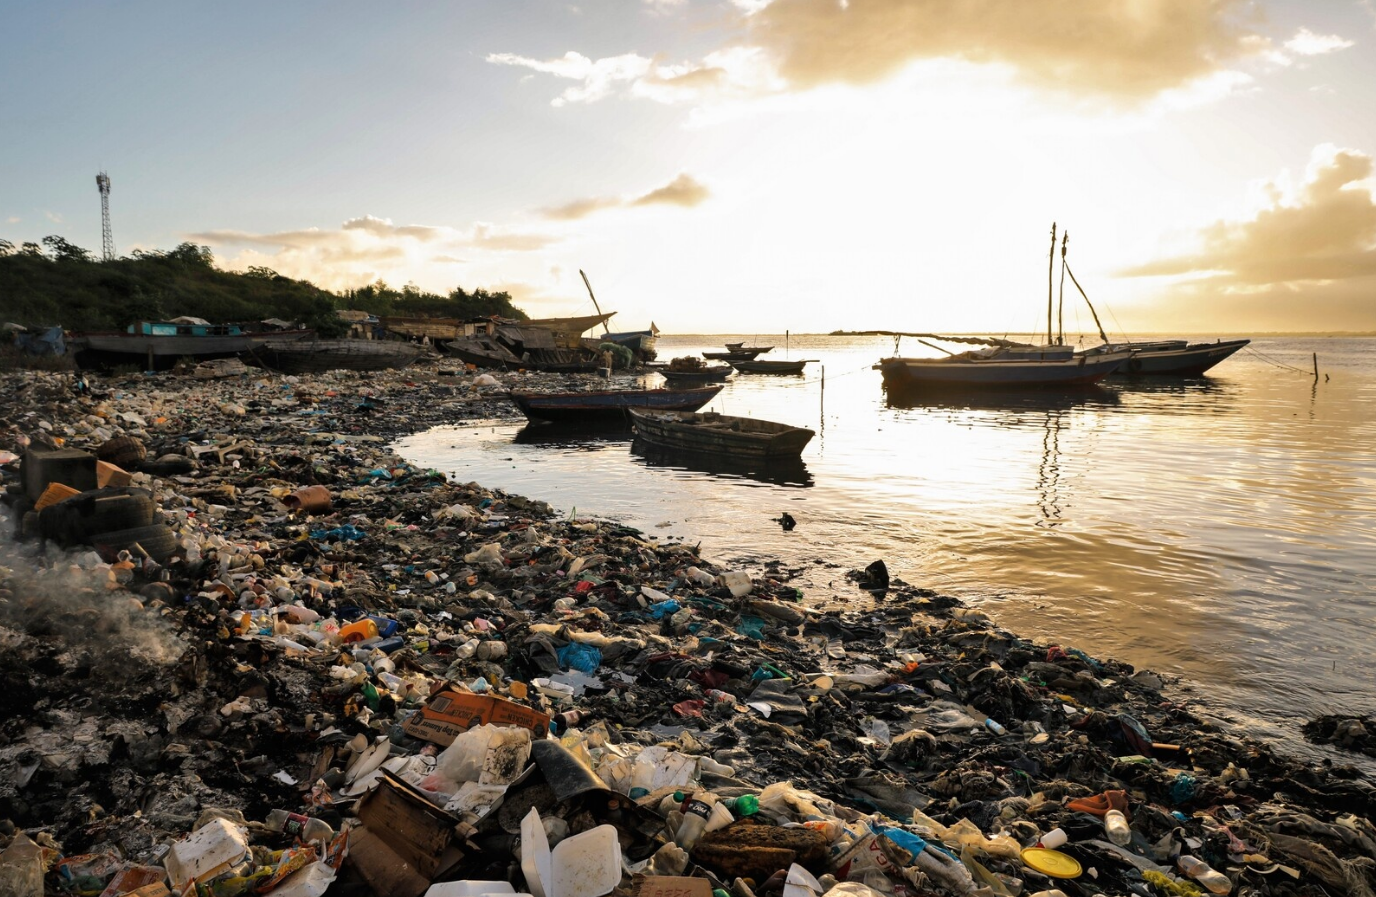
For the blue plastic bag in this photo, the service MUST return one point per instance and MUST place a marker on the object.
(580, 657)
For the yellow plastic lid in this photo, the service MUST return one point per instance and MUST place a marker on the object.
(1052, 862)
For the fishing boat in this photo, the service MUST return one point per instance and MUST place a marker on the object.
(316, 355)
(1175, 358)
(608, 404)
(771, 367)
(720, 434)
(688, 369)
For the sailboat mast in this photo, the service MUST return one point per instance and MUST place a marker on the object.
(1050, 270)
(1060, 302)
(605, 328)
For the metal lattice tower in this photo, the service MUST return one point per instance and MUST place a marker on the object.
(107, 240)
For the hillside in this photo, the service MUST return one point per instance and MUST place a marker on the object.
(62, 284)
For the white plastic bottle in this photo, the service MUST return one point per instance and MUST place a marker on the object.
(1116, 824)
(1201, 872)
(695, 814)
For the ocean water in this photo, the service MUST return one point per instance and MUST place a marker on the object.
(1221, 530)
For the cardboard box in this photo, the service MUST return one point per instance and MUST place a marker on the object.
(451, 712)
(405, 841)
(68, 466)
(673, 886)
(108, 474)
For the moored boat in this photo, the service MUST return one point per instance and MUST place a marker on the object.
(690, 369)
(771, 367)
(1002, 367)
(608, 404)
(720, 434)
(1175, 358)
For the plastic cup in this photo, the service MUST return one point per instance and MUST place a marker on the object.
(1054, 838)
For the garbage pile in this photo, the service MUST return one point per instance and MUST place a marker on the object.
(246, 650)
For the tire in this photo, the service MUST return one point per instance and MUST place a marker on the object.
(122, 451)
(97, 511)
(158, 540)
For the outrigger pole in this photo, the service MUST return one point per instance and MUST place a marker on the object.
(1050, 269)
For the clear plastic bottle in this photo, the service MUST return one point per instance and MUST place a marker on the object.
(696, 810)
(304, 828)
(1116, 825)
(1201, 872)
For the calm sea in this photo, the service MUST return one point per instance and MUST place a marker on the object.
(1220, 529)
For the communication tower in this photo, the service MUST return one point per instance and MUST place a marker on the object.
(107, 240)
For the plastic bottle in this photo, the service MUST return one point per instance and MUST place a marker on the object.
(1201, 872)
(303, 828)
(746, 805)
(696, 810)
(994, 727)
(1116, 824)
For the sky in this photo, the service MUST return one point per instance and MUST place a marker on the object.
(741, 166)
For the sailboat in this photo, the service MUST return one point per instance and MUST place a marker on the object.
(1170, 357)
(1003, 364)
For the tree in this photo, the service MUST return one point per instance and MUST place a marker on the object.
(31, 249)
(192, 254)
(6, 248)
(62, 251)
(261, 271)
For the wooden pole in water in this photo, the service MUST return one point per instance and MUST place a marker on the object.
(1316, 365)
(822, 410)
(1050, 268)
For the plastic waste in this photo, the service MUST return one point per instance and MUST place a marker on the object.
(696, 812)
(1202, 872)
(304, 828)
(1116, 825)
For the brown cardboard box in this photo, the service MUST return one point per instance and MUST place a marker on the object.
(405, 841)
(108, 474)
(452, 712)
(673, 886)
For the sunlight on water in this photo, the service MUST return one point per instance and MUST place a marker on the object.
(1221, 529)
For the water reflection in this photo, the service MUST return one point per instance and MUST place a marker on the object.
(1004, 400)
(1049, 472)
(587, 437)
(779, 472)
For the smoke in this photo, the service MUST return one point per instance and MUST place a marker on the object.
(68, 604)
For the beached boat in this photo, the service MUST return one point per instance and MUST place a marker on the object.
(159, 345)
(690, 369)
(1174, 358)
(315, 355)
(771, 367)
(720, 434)
(608, 404)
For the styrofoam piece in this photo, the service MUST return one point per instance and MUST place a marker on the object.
(470, 889)
(369, 760)
(801, 883)
(208, 850)
(586, 865)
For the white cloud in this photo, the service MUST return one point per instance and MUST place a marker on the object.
(1307, 43)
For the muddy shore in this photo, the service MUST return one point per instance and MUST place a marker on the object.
(138, 693)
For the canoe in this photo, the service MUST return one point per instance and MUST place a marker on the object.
(708, 374)
(720, 434)
(771, 367)
(1174, 358)
(1004, 367)
(608, 404)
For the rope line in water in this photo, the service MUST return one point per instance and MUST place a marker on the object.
(1280, 364)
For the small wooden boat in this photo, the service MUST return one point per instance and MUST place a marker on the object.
(608, 404)
(720, 434)
(691, 369)
(158, 346)
(313, 356)
(1002, 367)
(771, 367)
(1172, 358)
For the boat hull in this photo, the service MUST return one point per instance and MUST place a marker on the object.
(769, 367)
(709, 375)
(929, 373)
(314, 356)
(1191, 361)
(719, 434)
(572, 407)
(155, 352)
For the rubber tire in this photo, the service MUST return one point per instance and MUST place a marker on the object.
(158, 540)
(122, 451)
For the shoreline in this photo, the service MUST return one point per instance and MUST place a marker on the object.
(158, 660)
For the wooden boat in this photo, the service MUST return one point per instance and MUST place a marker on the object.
(314, 356)
(1002, 367)
(709, 374)
(608, 404)
(720, 434)
(771, 367)
(1174, 358)
(158, 346)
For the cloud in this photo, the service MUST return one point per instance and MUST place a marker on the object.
(13, 219)
(1307, 43)
(684, 190)
(1322, 232)
(54, 217)
(1123, 51)
(681, 191)
(366, 248)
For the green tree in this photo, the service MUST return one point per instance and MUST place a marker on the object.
(62, 251)
(6, 248)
